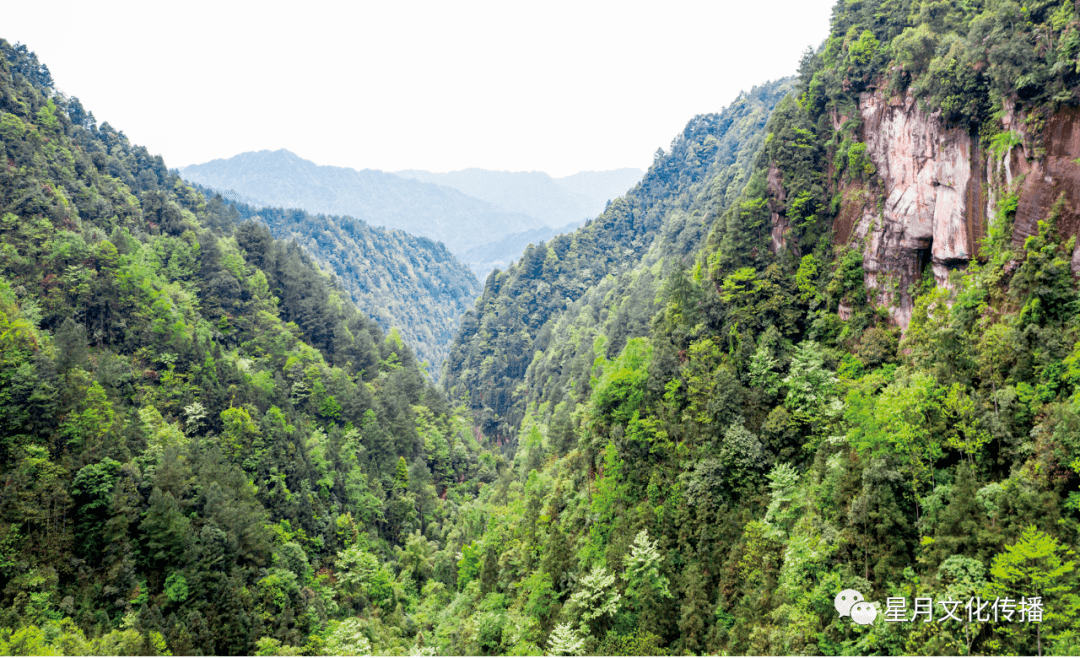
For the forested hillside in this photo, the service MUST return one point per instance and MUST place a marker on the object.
(668, 212)
(599, 187)
(205, 448)
(559, 204)
(403, 282)
(503, 252)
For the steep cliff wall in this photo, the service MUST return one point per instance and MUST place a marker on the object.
(1042, 168)
(781, 227)
(935, 193)
(931, 208)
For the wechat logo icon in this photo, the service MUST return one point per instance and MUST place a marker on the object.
(850, 603)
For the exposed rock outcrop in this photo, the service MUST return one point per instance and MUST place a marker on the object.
(936, 201)
(1047, 169)
(781, 227)
(935, 190)
(932, 214)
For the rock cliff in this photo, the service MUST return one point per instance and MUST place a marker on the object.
(935, 189)
(1041, 169)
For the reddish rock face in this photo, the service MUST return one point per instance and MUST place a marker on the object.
(933, 206)
(1047, 175)
(937, 194)
(781, 227)
(927, 174)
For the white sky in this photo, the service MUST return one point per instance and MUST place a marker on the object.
(553, 86)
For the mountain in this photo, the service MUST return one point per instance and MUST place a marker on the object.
(282, 179)
(554, 201)
(845, 368)
(409, 284)
(475, 212)
(596, 188)
(504, 251)
(671, 206)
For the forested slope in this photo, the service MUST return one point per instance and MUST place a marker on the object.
(503, 252)
(283, 179)
(205, 448)
(842, 356)
(402, 281)
(705, 167)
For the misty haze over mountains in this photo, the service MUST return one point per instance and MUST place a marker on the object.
(485, 218)
(556, 201)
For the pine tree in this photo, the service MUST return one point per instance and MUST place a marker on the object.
(401, 475)
(164, 531)
(556, 559)
(694, 609)
(70, 346)
(489, 573)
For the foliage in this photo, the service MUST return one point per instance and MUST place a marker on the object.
(664, 214)
(564, 641)
(347, 639)
(410, 284)
(595, 600)
(200, 429)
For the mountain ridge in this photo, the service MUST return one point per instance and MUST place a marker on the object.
(404, 282)
(190, 410)
(555, 201)
(283, 179)
(830, 342)
(673, 203)
(465, 210)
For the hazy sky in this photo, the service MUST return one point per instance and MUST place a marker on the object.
(554, 86)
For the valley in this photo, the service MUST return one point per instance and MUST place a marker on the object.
(828, 343)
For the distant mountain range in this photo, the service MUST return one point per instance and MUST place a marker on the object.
(485, 218)
(555, 201)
